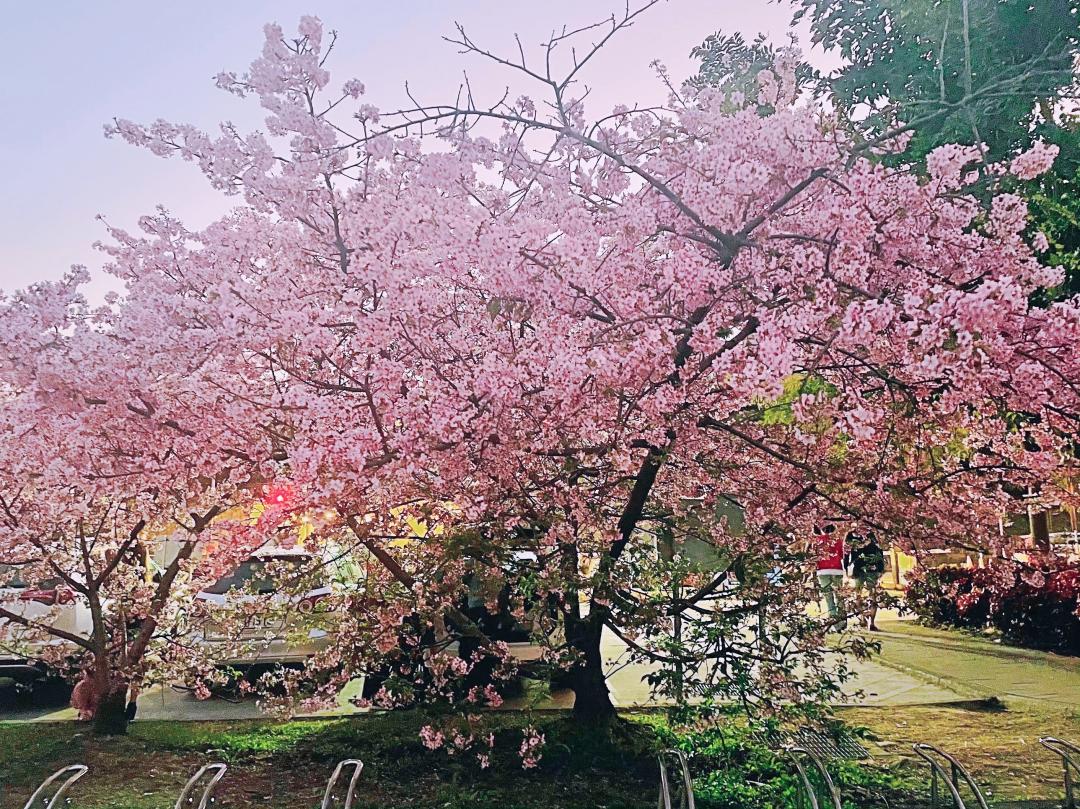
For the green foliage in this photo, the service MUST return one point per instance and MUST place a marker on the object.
(1054, 203)
(612, 766)
(795, 386)
(963, 70)
(736, 769)
(1000, 74)
(732, 64)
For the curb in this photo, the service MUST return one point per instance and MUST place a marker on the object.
(966, 693)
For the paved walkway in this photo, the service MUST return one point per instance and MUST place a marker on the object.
(875, 685)
(980, 668)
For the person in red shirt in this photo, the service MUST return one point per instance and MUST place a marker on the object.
(830, 571)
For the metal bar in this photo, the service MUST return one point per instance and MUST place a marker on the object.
(686, 793)
(328, 796)
(952, 778)
(688, 784)
(1068, 764)
(73, 771)
(806, 789)
(832, 793)
(186, 797)
(935, 770)
(663, 799)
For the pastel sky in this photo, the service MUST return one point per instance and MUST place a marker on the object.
(72, 65)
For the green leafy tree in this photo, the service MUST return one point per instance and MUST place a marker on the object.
(996, 72)
(1000, 73)
(1054, 202)
(959, 71)
(732, 64)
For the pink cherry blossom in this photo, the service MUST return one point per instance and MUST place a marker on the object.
(1035, 161)
(518, 343)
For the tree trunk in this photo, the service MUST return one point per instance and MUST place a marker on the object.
(592, 700)
(1040, 530)
(110, 718)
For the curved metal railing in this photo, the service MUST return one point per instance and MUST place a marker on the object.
(210, 774)
(686, 787)
(1070, 762)
(328, 795)
(951, 778)
(73, 772)
(806, 786)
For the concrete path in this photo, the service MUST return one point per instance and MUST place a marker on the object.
(980, 668)
(880, 685)
(883, 686)
(165, 703)
(875, 684)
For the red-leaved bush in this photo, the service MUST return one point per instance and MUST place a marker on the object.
(1033, 604)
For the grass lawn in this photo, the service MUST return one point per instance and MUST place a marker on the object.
(286, 764)
(999, 748)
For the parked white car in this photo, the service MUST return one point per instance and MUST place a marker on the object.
(50, 603)
(245, 620)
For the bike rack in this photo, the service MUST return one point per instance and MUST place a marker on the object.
(358, 767)
(685, 790)
(1066, 750)
(73, 771)
(186, 795)
(806, 786)
(951, 778)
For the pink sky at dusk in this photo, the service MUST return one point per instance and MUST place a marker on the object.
(83, 63)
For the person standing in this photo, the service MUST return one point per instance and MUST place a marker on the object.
(867, 562)
(830, 571)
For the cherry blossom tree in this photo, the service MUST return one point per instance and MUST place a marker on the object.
(562, 343)
(98, 467)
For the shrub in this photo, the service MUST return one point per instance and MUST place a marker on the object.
(736, 767)
(1033, 604)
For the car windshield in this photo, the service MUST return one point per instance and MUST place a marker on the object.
(260, 575)
(10, 577)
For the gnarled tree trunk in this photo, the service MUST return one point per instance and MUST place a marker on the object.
(592, 699)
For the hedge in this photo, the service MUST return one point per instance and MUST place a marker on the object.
(1033, 604)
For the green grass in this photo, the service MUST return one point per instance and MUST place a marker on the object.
(23, 746)
(285, 764)
(230, 741)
